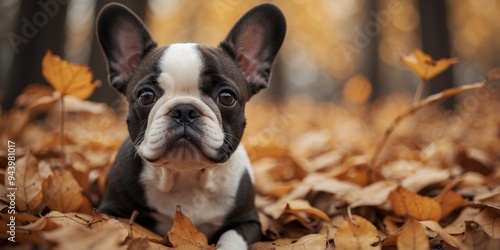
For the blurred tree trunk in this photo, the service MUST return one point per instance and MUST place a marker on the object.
(370, 66)
(35, 31)
(436, 42)
(97, 63)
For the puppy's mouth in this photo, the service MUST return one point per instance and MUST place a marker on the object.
(178, 143)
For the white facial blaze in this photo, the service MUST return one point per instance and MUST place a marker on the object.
(180, 67)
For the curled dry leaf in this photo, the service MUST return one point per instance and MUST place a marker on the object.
(424, 66)
(67, 78)
(434, 226)
(413, 236)
(405, 202)
(357, 234)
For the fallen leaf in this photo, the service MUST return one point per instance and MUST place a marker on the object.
(489, 220)
(434, 226)
(424, 66)
(28, 181)
(371, 195)
(297, 207)
(424, 177)
(67, 78)
(405, 202)
(81, 238)
(449, 201)
(357, 234)
(62, 192)
(413, 236)
(183, 234)
(458, 225)
(310, 241)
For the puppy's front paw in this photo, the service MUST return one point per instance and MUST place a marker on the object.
(231, 240)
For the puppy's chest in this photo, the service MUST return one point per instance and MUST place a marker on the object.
(205, 197)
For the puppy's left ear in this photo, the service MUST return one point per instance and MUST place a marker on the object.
(254, 42)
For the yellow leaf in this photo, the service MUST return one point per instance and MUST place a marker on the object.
(67, 78)
(183, 234)
(425, 66)
(358, 235)
(405, 202)
(413, 236)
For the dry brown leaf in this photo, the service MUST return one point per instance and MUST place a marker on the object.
(372, 195)
(311, 241)
(434, 226)
(296, 207)
(424, 66)
(183, 234)
(475, 239)
(449, 201)
(62, 192)
(81, 238)
(489, 220)
(67, 78)
(29, 181)
(357, 234)
(405, 202)
(424, 177)
(458, 226)
(413, 236)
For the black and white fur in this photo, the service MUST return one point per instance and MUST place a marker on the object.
(186, 119)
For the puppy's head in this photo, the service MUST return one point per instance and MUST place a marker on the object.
(186, 101)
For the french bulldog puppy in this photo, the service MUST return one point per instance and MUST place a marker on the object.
(186, 119)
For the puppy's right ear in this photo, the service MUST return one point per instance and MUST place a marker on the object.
(124, 40)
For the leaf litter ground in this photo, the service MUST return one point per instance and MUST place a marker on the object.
(393, 174)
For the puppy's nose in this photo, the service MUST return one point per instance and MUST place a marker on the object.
(184, 114)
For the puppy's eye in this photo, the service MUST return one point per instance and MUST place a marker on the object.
(226, 98)
(146, 97)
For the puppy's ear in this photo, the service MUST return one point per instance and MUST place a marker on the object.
(254, 42)
(124, 40)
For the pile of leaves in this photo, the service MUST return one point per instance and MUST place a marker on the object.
(393, 174)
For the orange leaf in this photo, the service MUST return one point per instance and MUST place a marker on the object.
(413, 236)
(405, 202)
(449, 201)
(183, 234)
(424, 65)
(67, 78)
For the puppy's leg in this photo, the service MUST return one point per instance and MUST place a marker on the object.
(238, 237)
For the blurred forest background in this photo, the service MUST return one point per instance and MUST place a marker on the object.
(333, 48)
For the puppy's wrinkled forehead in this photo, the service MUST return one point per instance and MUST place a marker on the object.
(179, 68)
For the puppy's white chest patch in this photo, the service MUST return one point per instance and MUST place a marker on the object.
(206, 197)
